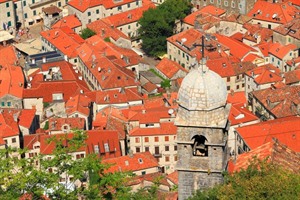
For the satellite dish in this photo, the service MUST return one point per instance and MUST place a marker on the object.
(171, 111)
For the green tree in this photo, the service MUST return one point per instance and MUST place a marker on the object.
(157, 24)
(19, 176)
(261, 180)
(87, 33)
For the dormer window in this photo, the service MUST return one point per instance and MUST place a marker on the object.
(199, 147)
(140, 160)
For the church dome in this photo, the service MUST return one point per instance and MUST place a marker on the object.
(202, 90)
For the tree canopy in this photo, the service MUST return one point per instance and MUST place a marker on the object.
(157, 24)
(39, 175)
(87, 33)
(261, 180)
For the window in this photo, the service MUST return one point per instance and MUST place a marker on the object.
(290, 39)
(166, 138)
(106, 147)
(137, 140)
(97, 11)
(14, 140)
(137, 149)
(175, 158)
(8, 103)
(225, 3)
(179, 52)
(7, 4)
(183, 55)
(25, 15)
(137, 3)
(8, 14)
(34, 13)
(233, 4)
(24, 3)
(89, 13)
(166, 148)
(237, 87)
(2, 103)
(167, 158)
(228, 87)
(143, 172)
(128, 26)
(175, 148)
(33, 1)
(146, 149)
(75, 60)
(119, 8)
(59, 4)
(128, 5)
(272, 59)
(211, 1)
(156, 150)
(146, 139)
(96, 149)
(156, 139)
(243, 85)
(219, 2)
(228, 79)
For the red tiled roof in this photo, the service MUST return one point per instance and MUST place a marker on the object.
(291, 28)
(29, 140)
(173, 177)
(279, 101)
(64, 39)
(274, 151)
(239, 114)
(127, 17)
(100, 138)
(115, 96)
(79, 103)
(138, 161)
(292, 77)
(255, 31)
(237, 49)
(8, 126)
(71, 21)
(149, 87)
(83, 5)
(104, 30)
(26, 117)
(286, 130)
(167, 128)
(281, 51)
(279, 13)
(169, 68)
(9, 71)
(236, 97)
(206, 11)
(265, 74)
(225, 67)
(51, 10)
(56, 124)
(47, 89)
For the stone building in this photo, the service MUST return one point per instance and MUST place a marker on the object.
(235, 6)
(202, 122)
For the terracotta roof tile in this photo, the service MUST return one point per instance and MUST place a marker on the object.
(71, 21)
(138, 161)
(265, 74)
(236, 97)
(279, 101)
(169, 68)
(284, 129)
(167, 128)
(279, 13)
(51, 10)
(281, 51)
(57, 124)
(79, 103)
(239, 114)
(274, 151)
(64, 39)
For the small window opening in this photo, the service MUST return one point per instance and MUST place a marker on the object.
(199, 147)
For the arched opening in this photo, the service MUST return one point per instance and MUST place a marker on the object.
(199, 147)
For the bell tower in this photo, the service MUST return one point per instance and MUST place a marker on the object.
(202, 122)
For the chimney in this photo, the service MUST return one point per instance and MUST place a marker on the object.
(103, 31)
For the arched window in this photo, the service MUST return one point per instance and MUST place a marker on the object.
(199, 147)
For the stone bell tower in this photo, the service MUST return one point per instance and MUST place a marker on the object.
(202, 130)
